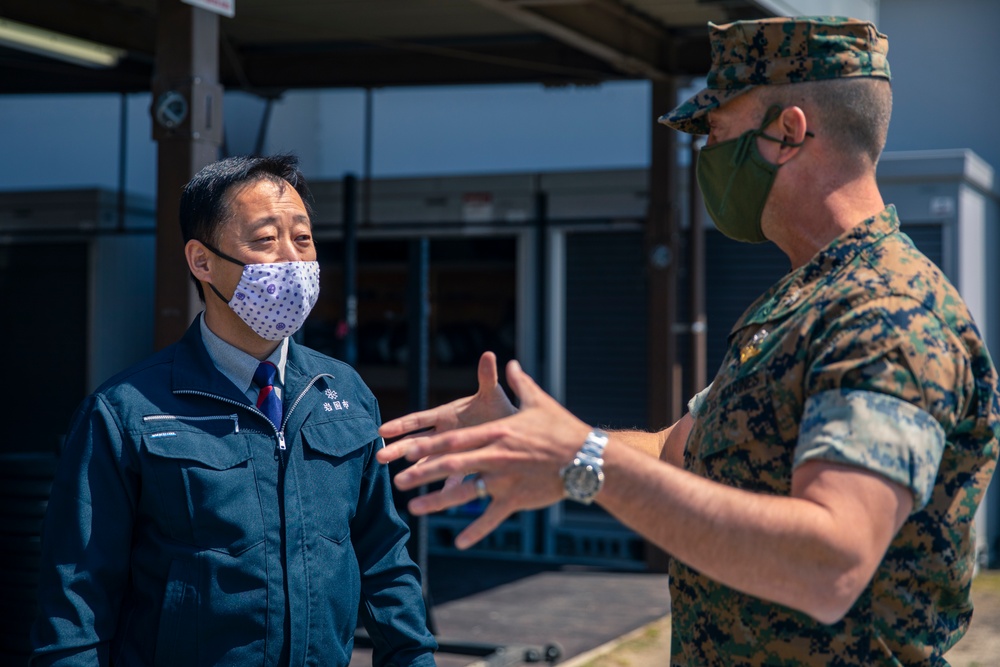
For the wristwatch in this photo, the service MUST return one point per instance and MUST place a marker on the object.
(583, 478)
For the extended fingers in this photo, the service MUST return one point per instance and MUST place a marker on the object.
(474, 487)
(416, 421)
(521, 383)
(491, 518)
(463, 440)
(436, 468)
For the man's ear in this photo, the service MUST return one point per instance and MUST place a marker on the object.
(792, 128)
(199, 260)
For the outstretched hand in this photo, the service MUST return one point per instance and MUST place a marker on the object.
(518, 457)
(487, 404)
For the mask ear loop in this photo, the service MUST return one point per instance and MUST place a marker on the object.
(772, 114)
(228, 258)
(745, 141)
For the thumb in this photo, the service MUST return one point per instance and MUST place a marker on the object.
(521, 383)
(487, 372)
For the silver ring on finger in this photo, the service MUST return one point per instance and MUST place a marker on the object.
(481, 492)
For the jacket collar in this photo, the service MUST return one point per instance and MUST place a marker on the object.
(193, 369)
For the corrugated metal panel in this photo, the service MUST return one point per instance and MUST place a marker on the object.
(735, 275)
(43, 295)
(606, 328)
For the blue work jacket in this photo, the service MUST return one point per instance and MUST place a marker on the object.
(185, 529)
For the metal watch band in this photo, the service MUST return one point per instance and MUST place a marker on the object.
(593, 446)
(583, 477)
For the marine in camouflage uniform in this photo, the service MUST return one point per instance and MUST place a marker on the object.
(865, 356)
(849, 436)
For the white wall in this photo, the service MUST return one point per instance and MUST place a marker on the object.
(71, 141)
(944, 58)
(451, 130)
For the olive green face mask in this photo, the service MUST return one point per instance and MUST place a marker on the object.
(735, 181)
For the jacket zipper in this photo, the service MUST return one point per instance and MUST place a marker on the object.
(279, 430)
(234, 418)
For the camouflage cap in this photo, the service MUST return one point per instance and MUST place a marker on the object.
(781, 50)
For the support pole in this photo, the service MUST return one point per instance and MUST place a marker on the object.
(542, 326)
(696, 279)
(350, 261)
(187, 126)
(418, 362)
(662, 236)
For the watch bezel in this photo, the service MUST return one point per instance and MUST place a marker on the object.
(582, 481)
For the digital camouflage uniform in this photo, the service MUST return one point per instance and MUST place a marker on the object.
(865, 356)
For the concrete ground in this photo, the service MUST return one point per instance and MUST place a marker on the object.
(485, 604)
(601, 618)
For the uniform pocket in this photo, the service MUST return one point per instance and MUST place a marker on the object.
(737, 439)
(215, 479)
(738, 412)
(334, 454)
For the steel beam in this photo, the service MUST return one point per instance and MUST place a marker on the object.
(601, 28)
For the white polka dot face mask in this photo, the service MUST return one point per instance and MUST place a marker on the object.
(274, 299)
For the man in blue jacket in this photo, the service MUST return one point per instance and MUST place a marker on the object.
(220, 503)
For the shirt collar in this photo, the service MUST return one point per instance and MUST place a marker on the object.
(795, 288)
(236, 364)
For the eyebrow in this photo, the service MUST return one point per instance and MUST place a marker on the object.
(272, 219)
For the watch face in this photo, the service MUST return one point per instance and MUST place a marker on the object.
(583, 482)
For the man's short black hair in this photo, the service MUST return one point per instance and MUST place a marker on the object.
(205, 202)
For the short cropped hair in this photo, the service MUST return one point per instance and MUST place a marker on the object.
(205, 202)
(852, 113)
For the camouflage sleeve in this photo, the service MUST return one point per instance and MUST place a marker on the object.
(877, 432)
(886, 383)
(697, 401)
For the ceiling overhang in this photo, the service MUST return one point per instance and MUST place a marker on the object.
(270, 46)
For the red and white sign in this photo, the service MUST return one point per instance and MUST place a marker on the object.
(477, 207)
(224, 7)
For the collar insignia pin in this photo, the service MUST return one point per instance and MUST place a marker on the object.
(752, 349)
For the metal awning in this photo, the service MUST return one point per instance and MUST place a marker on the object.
(273, 46)
(187, 57)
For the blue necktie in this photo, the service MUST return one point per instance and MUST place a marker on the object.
(267, 400)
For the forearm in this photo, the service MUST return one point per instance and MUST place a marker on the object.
(666, 444)
(784, 549)
(642, 441)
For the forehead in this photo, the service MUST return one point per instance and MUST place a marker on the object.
(265, 198)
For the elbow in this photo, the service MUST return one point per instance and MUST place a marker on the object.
(829, 614)
(834, 595)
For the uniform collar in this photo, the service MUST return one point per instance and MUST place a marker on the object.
(795, 289)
